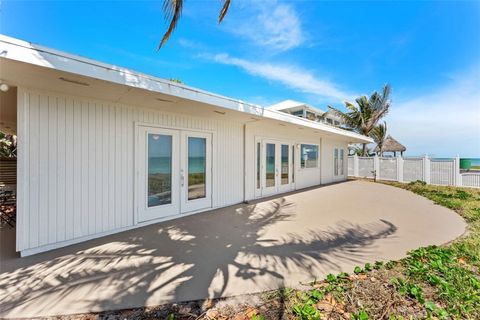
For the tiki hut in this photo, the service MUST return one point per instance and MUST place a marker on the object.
(391, 145)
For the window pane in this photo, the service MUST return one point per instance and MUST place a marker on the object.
(309, 156)
(159, 169)
(270, 170)
(341, 161)
(335, 162)
(258, 165)
(285, 153)
(293, 164)
(197, 165)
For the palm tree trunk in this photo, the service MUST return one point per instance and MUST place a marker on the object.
(364, 150)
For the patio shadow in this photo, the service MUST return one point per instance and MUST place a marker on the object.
(219, 253)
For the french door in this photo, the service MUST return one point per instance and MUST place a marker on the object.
(174, 172)
(276, 167)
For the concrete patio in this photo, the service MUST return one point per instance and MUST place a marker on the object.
(282, 241)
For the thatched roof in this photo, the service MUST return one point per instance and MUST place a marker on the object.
(391, 145)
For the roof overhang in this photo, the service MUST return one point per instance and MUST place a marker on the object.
(19, 60)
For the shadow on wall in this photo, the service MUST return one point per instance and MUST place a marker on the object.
(184, 259)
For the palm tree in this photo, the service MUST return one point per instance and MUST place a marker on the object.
(378, 134)
(356, 150)
(172, 10)
(364, 117)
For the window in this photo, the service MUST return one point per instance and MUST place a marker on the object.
(310, 115)
(335, 161)
(293, 163)
(284, 164)
(338, 161)
(270, 166)
(329, 121)
(159, 169)
(309, 156)
(258, 165)
(298, 113)
(197, 168)
(342, 159)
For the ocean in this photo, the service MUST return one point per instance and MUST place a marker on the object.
(163, 165)
(474, 162)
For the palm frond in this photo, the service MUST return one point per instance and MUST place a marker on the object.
(173, 11)
(350, 119)
(365, 115)
(350, 106)
(379, 133)
(223, 12)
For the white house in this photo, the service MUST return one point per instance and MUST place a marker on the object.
(304, 110)
(102, 149)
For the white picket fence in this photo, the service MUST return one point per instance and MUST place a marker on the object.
(445, 172)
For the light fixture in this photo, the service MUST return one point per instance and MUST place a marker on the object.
(219, 112)
(4, 87)
(74, 81)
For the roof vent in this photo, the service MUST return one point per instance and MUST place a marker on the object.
(164, 100)
(74, 81)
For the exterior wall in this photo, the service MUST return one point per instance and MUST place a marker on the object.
(303, 177)
(76, 165)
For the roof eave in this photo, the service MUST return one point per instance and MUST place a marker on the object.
(18, 50)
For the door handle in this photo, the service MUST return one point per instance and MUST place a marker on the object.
(182, 178)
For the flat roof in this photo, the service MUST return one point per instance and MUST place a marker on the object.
(26, 52)
(292, 104)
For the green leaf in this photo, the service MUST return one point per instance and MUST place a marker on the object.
(331, 278)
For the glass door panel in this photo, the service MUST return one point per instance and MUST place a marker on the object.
(195, 172)
(157, 165)
(259, 167)
(197, 163)
(270, 165)
(276, 167)
(335, 162)
(285, 164)
(159, 169)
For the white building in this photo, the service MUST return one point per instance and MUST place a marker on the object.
(102, 149)
(306, 111)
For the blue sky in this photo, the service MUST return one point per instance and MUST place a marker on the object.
(319, 52)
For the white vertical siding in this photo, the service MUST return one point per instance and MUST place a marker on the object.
(23, 169)
(76, 165)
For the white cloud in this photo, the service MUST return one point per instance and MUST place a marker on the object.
(290, 76)
(445, 122)
(270, 24)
